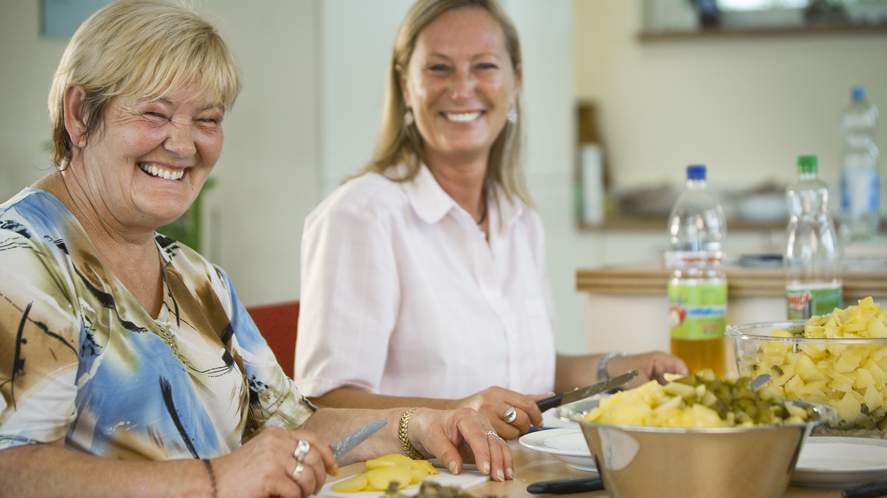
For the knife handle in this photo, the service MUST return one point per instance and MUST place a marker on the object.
(566, 486)
(547, 403)
(870, 490)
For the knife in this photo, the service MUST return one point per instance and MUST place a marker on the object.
(566, 486)
(870, 490)
(347, 443)
(584, 392)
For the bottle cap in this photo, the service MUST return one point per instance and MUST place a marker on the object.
(696, 172)
(807, 164)
(857, 93)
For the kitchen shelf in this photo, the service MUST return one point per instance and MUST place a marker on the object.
(760, 32)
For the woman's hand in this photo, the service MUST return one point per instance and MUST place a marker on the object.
(650, 366)
(496, 404)
(461, 435)
(267, 466)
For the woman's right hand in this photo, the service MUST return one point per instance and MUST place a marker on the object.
(266, 466)
(494, 404)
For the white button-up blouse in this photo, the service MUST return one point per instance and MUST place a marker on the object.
(402, 295)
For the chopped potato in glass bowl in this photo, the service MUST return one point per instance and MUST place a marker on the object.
(839, 359)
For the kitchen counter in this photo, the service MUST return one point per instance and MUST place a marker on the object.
(627, 306)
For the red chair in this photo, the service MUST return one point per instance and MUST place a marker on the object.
(279, 323)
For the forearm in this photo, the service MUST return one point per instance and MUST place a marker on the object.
(575, 371)
(336, 423)
(44, 470)
(351, 397)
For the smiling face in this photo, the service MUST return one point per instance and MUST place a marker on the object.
(150, 158)
(460, 83)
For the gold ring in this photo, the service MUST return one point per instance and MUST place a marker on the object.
(298, 471)
(301, 451)
(510, 415)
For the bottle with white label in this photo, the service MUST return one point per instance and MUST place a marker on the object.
(860, 174)
(812, 252)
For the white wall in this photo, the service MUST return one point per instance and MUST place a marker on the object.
(28, 63)
(269, 173)
(746, 106)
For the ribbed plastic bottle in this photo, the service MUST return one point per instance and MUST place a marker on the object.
(697, 288)
(812, 252)
(860, 175)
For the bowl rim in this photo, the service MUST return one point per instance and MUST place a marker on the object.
(746, 331)
(826, 414)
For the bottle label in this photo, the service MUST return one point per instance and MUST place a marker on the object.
(802, 303)
(697, 310)
(860, 192)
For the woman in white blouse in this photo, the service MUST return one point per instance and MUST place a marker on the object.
(423, 279)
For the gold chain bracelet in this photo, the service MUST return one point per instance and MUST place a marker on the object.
(403, 434)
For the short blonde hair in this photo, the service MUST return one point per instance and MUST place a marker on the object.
(142, 48)
(398, 143)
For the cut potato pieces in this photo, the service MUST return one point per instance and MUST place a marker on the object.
(384, 470)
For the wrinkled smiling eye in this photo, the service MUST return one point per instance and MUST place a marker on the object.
(155, 116)
(487, 66)
(438, 68)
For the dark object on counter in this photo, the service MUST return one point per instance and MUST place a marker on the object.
(566, 486)
(870, 490)
(760, 260)
(585, 392)
(709, 15)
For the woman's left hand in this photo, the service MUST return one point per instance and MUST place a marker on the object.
(650, 366)
(461, 435)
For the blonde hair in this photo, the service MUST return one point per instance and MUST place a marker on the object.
(399, 144)
(142, 48)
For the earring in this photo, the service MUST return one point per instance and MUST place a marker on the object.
(408, 118)
(512, 114)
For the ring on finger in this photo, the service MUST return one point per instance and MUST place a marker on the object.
(510, 415)
(301, 451)
(493, 435)
(298, 471)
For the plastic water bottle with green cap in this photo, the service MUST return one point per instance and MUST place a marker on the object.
(812, 252)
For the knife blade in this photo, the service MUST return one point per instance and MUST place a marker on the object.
(347, 443)
(566, 486)
(584, 392)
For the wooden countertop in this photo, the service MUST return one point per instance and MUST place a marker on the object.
(531, 466)
(652, 279)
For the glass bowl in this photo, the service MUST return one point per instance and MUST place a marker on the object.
(848, 374)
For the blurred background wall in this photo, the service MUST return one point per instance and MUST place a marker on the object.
(313, 74)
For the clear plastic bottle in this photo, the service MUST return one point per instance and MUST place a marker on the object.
(697, 288)
(812, 252)
(860, 175)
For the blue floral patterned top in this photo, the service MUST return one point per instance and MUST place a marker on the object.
(81, 359)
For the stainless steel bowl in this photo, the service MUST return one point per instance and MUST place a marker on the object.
(740, 462)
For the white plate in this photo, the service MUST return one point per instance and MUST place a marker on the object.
(566, 443)
(551, 420)
(841, 461)
(467, 479)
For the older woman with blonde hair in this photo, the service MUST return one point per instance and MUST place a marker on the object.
(423, 279)
(128, 365)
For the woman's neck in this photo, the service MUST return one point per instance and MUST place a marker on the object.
(115, 242)
(463, 181)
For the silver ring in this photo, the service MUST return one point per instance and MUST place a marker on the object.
(493, 435)
(298, 471)
(510, 415)
(301, 451)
